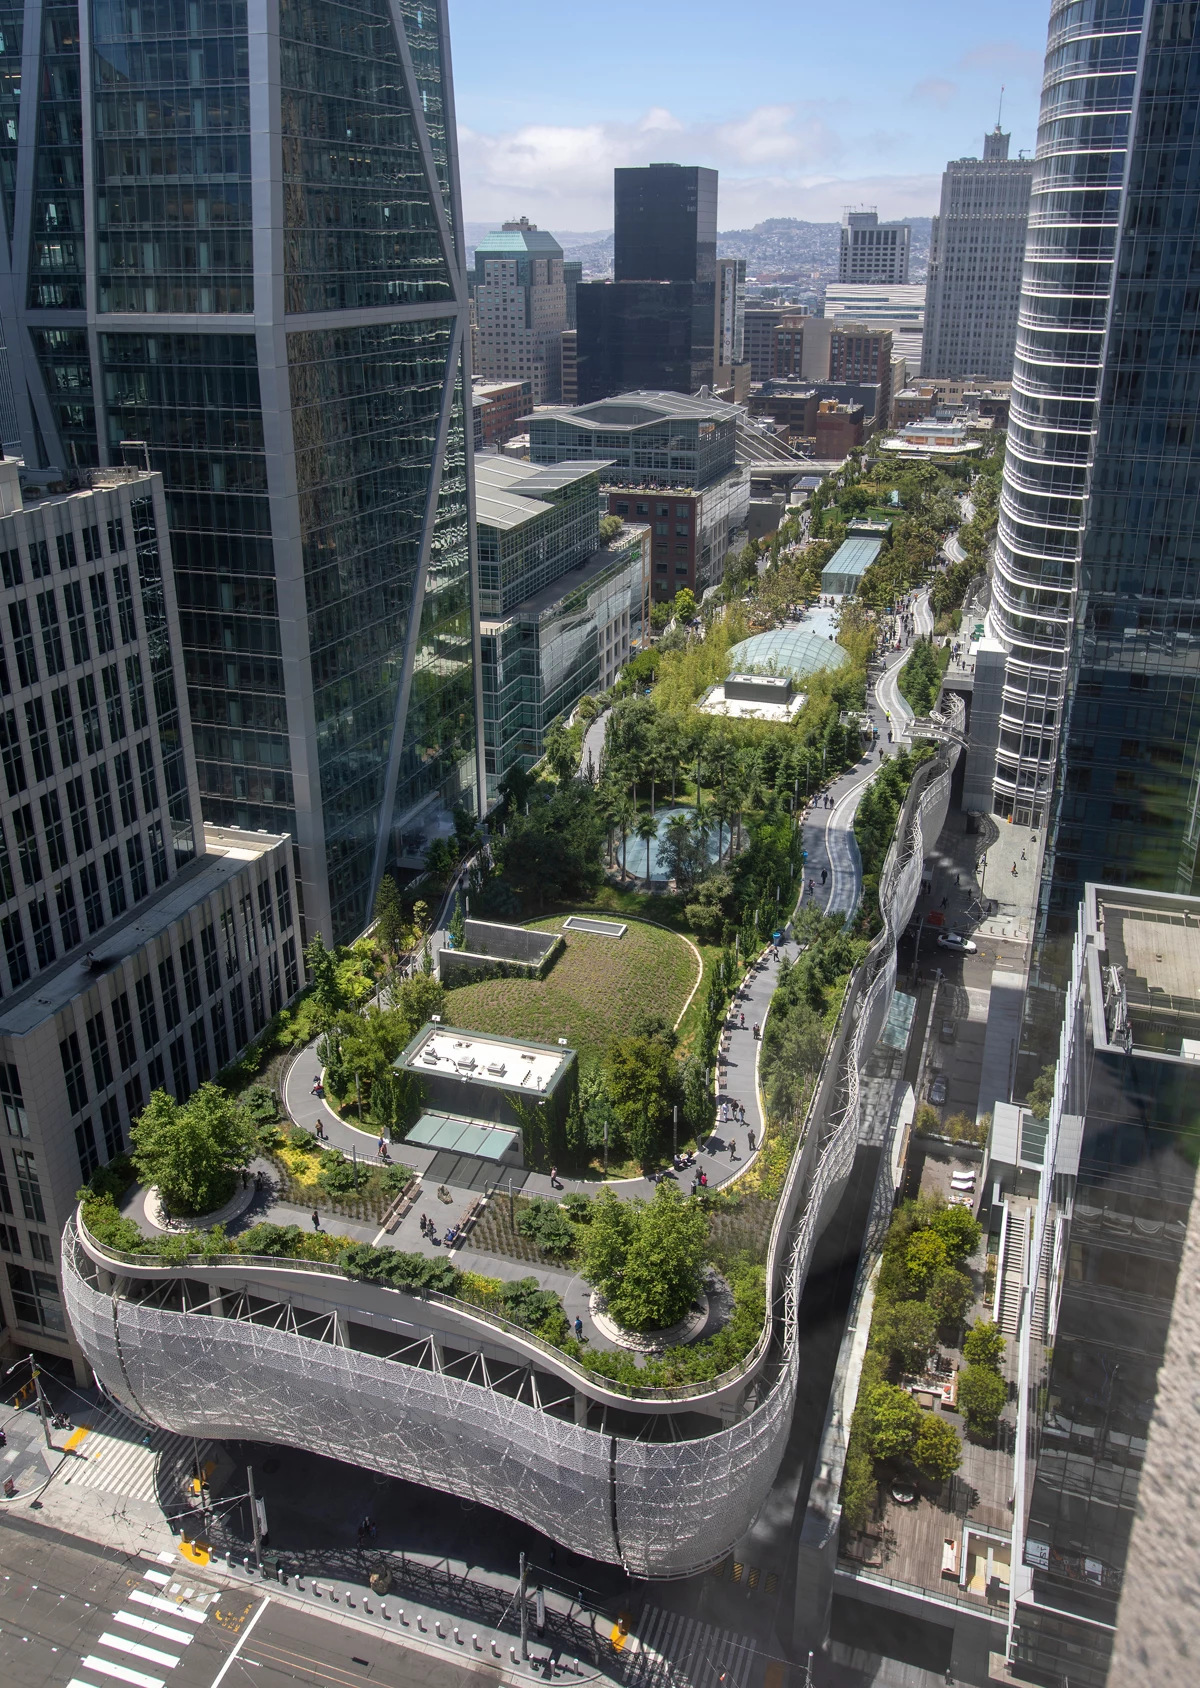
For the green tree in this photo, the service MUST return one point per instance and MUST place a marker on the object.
(610, 527)
(926, 1255)
(389, 916)
(652, 1280)
(641, 1078)
(561, 749)
(685, 604)
(458, 923)
(949, 1295)
(647, 831)
(906, 1330)
(893, 1420)
(416, 1001)
(957, 1230)
(684, 852)
(1041, 1093)
(439, 860)
(937, 1452)
(982, 1394)
(984, 1345)
(195, 1151)
(322, 964)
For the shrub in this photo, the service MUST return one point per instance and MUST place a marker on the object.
(926, 1122)
(965, 1128)
(104, 1220)
(112, 1179)
(259, 1104)
(540, 1310)
(402, 1271)
(578, 1206)
(937, 1452)
(545, 1224)
(982, 1395)
(984, 1345)
(859, 1488)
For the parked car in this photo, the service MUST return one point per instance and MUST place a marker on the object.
(956, 941)
(948, 1032)
(939, 1090)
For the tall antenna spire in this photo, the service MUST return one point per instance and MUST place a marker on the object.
(1000, 107)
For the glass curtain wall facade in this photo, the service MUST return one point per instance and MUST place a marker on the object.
(1107, 1249)
(1128, 803)
(1074, 218)
(243, 248)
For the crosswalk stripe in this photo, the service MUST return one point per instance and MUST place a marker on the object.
(122, 1673)
(159, 1577)
(138, 1650)
(139, 1597)
(149, 1627)
(678, 1651)
(77, 1682)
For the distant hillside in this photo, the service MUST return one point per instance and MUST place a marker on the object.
(786, 244)
(789, 244)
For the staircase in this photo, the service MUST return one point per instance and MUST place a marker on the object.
(1012, 1271)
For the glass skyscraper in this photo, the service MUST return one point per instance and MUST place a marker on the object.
(1127, 804)
(1088, 96)
(234, 234)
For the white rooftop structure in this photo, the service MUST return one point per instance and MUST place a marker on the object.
(446, 1051)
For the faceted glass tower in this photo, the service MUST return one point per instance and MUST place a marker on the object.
(1074, 218)
(1128, 799)
(234, 234)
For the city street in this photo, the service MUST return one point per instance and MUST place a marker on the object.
(73, 1615)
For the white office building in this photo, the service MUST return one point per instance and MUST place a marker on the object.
(976, 250)
(872, 251)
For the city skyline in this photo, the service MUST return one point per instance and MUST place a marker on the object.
(876, 128)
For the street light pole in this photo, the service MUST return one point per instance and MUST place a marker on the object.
(524, 1614)
(41, 1401)
(254, 1520)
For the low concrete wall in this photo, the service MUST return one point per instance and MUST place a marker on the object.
(492, 951)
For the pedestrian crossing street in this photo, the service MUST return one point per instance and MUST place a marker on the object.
(119, 1457)
(160, 1619)
(673, 1651)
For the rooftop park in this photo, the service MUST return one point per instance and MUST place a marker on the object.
(922, 1294)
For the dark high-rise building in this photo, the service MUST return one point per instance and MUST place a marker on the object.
(665, 223)
(1127, 802)
(262, 280)
(654, 336)
(660, 323)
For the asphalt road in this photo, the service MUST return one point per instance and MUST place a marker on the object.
(73, 1614)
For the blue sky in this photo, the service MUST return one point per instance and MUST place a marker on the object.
(803, 108)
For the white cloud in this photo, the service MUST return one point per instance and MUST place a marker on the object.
(934, 92)
(776, 157)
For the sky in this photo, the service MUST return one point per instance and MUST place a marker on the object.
(803, 108)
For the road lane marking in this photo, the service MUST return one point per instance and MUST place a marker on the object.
(219, 1677)
(122, 1673)
(149, 1627)
(139, 1598)
(137, 1650)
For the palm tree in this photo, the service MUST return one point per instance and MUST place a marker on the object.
(647, 831)
(624, 810)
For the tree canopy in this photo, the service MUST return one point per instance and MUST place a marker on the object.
(193, 1151)
(646, 1258)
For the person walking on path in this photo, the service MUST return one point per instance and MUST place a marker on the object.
(316, 1220)
(578, 1327)
(554, 1183)
(750, 1134)
(733, 1148)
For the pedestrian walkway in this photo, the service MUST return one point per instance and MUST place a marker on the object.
(121, 1458)
(674, 1651)
(159, 1619)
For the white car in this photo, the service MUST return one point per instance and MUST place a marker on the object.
(956, 941)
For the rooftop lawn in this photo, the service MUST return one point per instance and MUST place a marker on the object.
(598, 989)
